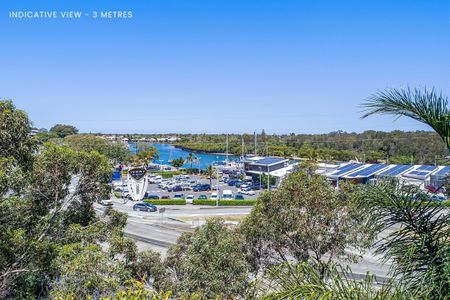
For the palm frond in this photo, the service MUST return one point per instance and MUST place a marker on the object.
(303, 281)
(426, 106)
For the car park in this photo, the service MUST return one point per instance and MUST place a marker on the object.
(143, 206)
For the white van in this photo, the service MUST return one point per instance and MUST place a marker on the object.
(227, 195)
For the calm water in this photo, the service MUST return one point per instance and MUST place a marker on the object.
(168, 152)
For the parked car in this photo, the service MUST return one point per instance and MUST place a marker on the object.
(201, 188)
(247, 191)
(232, 182)
(144, 206)
(178, 196)
(189, 199)
(105, 202)
(155, 197)
(239, 197)
(165, 197)
(202, 197)
(176, 188)
(227, 194)
(214, 196)
(437, 198)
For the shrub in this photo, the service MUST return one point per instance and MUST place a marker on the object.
(237, 202)
(224, 202)
(203, 202)
(166, 201)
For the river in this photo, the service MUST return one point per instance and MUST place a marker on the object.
(167, 152)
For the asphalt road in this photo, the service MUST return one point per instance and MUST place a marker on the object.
(158, 232)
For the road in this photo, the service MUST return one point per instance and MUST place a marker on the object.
(158, 232)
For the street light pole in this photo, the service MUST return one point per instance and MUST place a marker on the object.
(268, 178)
(217, 178)
(161, 166)
(260, 174)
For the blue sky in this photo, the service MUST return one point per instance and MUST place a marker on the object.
(221, 66)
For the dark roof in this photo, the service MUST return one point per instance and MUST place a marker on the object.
(268, 161)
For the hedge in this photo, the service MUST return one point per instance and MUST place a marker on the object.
(224, 202)
(237, 202)
(166, 201)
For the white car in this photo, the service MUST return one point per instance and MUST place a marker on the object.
(189, 199)
(214, 196)
(247, 192)
(105, 202)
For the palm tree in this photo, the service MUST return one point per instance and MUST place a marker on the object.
(425, 106)
(210, 173)
(191, 158)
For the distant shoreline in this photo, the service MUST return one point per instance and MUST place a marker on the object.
(200, 151)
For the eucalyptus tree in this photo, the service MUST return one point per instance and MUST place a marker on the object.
(305, 220)
(50, 238)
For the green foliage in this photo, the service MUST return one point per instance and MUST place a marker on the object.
(426, 106)
(15, 140)
(62, 130)
(237, 202)
(204, 202)
(145, 153)
(210, 263)
(420, 147)
(303, 281)
(419, 238)
(304, 219)
(191, 158)
(87, 142)
(166, 201)
(224, 202)
(177, 162)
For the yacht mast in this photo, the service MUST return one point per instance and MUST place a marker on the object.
(227, 151)
(254, 133)
(242, 147)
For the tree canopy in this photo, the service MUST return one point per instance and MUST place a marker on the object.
(63, 130)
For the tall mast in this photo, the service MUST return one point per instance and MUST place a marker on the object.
(242, 147)
(254, 133)
(227, 150)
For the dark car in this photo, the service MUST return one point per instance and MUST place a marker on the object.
(178, 196)
(165, 197)
(144, 206)
(155, 197)
(232, 182)
(176, 188)
(202, 197)
(239, 197)
(239, 183)
(201, 188)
